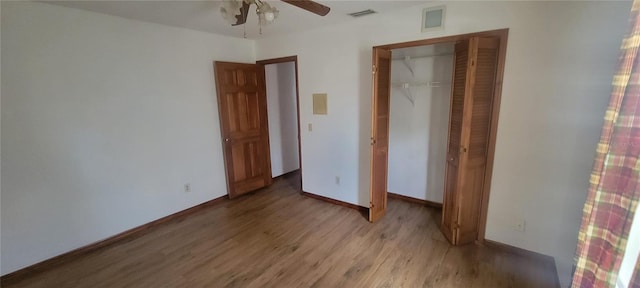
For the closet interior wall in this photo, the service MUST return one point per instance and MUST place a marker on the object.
(419, 120)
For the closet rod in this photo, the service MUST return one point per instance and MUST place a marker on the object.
(407, 85)
(420, 57)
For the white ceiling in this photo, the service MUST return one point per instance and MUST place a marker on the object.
(205, 15)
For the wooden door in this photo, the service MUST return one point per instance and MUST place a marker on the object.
(242, 107)
(459, 81)
(474, 81)
(380, 132)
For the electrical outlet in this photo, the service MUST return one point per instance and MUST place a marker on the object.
(187, 188)
(338, 180)
(519, 225)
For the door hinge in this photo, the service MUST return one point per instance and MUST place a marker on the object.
(371, 204)
(463, 149)
(373, 141)
(374, 69)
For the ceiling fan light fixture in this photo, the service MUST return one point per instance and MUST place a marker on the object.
(235, 12)
(267, 14)
(230, 10)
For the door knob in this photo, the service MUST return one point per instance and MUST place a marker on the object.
(226, 139)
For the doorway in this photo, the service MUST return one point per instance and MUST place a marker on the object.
(478, 67)
(281, 81)
(244, 123)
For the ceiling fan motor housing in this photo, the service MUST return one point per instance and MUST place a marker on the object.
(236, 11)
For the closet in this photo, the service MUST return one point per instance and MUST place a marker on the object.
(419, 121)
(476, 75)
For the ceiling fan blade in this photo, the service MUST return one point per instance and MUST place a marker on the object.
(311, 6)
(242, 18)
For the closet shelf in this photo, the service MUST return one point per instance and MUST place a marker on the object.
(406, 86)
(408, 93)
(409, 61)
(409, 84)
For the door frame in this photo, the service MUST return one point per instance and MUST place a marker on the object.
(293, 59)
(501, 34)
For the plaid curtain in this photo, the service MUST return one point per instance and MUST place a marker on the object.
(635, 279)
(614, 191)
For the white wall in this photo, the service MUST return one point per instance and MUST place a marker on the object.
(418, 132)
(283, 117)
(560, 62)
(103, 121)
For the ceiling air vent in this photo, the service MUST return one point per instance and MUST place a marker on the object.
(362, 13)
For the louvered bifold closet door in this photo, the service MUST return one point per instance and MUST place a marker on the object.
(380, 132)
(472, 100)
(449, 214)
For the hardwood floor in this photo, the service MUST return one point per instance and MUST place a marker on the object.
(279, 238)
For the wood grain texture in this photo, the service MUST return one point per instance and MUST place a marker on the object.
(474, 78)
(277, 237)
(459, 81)
(481, 78)
(502, 35)
(548, 260)
(415, 200)
(476, 129)
(311, 6)
(381, 101)
(278, 60)
(363, 210)
(130, 234)
(242, 107)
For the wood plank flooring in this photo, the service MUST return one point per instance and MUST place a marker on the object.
(279, 238)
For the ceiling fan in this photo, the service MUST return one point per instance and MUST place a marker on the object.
(236, 11)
